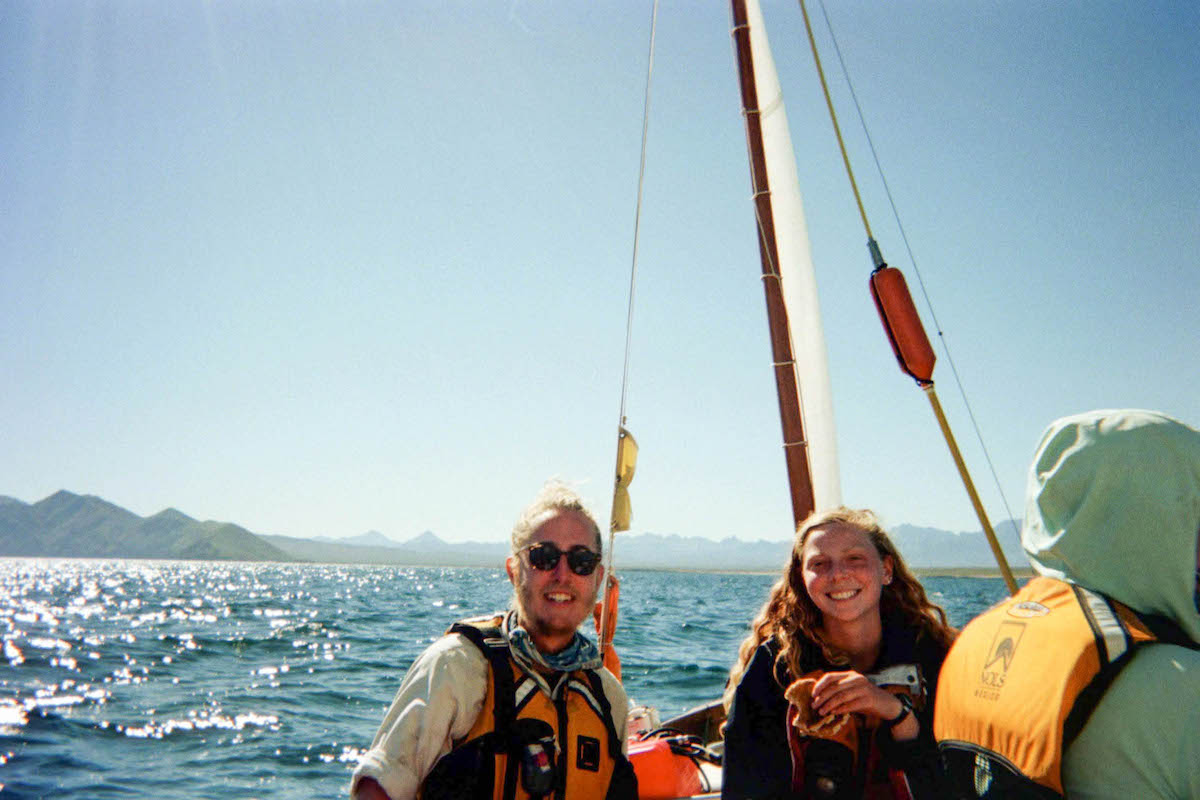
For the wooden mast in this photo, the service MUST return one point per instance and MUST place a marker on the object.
(795, 447)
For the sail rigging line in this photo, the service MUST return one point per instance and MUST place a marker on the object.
(887, 190)
(897, 313)
(637, 214)
(626, 445)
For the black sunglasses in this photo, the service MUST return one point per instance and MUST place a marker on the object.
(544, 556)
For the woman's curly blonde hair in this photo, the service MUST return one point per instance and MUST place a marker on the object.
(792, 617)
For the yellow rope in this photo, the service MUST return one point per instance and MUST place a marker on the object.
(837, 129)
(976, 503)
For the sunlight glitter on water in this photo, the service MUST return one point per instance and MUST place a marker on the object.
(127, 624)
(200, 721)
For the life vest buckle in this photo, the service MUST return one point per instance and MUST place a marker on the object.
(533, 745)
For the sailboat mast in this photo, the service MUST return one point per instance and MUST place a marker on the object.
(795, 447)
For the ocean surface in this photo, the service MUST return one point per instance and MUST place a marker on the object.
(187, 680)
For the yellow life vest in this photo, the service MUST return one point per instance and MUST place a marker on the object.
(527, 744)
(1020, 683)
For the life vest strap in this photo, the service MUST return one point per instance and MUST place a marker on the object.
(614, 740)
(1112, 641)
(1118, 633)
(491, 642)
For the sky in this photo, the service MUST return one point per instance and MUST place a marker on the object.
(322, 268)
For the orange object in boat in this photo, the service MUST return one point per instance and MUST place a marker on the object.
(663, 773)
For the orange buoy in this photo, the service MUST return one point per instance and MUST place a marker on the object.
(902, 324)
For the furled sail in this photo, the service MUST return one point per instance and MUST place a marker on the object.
(787, 254)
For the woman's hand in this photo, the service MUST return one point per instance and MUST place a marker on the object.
(853, 693)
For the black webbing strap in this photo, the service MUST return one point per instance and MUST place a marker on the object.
(1089, 698)
(1165, 631)
(1168, 631)
(505, 694)
(614, 741)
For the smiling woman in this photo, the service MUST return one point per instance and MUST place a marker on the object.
(832, 690)
(844, 576)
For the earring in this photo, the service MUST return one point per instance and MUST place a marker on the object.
(887, 581)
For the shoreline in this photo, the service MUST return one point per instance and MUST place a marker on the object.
(1020, 573)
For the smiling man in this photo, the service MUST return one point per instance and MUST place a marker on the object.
(514, 704)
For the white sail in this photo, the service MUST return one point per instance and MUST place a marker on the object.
(796, 271)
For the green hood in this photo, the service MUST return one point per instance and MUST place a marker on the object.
(1113, 504)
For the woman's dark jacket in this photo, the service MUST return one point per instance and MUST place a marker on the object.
(758, 761)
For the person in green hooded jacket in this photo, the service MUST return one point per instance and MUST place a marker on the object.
(1113, 513)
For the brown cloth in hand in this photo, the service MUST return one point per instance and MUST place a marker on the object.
(804, 722)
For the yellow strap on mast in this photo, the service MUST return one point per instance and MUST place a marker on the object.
(622, 513)
(926, 384)
(622, 510)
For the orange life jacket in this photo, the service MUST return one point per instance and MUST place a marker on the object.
(525, 744)
(1020, 683)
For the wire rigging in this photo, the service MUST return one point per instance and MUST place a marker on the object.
(626, 446)
(637, 214)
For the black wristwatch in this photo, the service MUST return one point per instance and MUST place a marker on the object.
(906, 708)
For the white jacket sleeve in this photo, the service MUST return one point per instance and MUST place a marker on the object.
(438, 702)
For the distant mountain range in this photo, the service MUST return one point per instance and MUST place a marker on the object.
(86, 526)
(73, 526)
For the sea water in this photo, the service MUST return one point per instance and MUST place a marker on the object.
(186, 680)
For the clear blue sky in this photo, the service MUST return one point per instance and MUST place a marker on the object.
(321, 268)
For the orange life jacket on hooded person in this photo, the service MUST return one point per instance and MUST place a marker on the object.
(1020, 683)
(527, 744)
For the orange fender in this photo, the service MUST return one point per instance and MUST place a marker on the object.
(607, 627)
